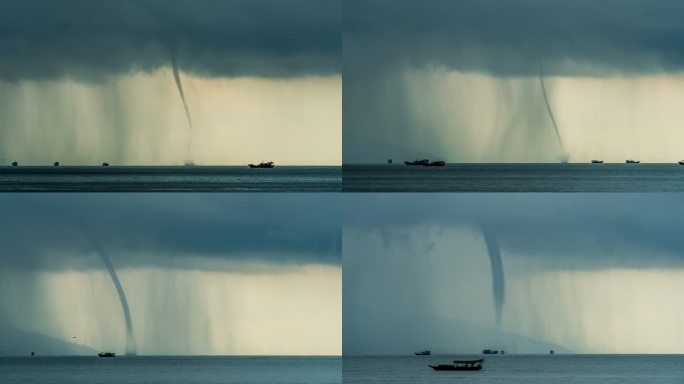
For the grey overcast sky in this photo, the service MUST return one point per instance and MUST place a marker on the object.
(168, 82)
(461, 81)
(158, 229)
(419, 273)
(43, 39)
(181, 274)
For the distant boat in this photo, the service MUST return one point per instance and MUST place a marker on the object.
(418, 162)
(389, 161)
(269, 164)
(435, 164)
(551, 352)
(681, 162)
(597, 161)
(460, 365)
(14, 164)
(107, 354)
(423, 353)
(105, 164)
(56, 163)
(630, 161)
(490, 351)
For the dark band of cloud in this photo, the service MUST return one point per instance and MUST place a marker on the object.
(567, 230)
(581, 37)
(44, 39)
(47, 231)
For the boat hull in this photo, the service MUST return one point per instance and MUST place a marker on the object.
(418, 162)
(435, 164)
(448, 367)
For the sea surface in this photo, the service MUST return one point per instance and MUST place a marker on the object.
(170, 370)
(570, 177)
(561, 369)
(170, 178)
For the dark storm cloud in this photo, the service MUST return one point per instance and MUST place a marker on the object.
(514, 37)
(45, 39)
(64, 231)
(567, 230)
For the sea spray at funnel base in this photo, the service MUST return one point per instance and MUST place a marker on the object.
(498, 283)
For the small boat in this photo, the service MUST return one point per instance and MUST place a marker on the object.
(630, 161)
(460, 365)
(423, 353)
(418, 162)
(107, 354)
(551, 352)
(56, 163)
(439, 163)
(105, 164)
(681, 162)
(490, 351)
(389, 161)
(597, 161)
(262, 165)
(14, 164)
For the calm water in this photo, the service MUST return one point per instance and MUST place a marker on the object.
(514, 178)
(563, 369)
(170, 370)
(171, 178)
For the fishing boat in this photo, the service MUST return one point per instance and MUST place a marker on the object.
(105, 164)
(681, 162)
(490, 351)
(630, 161)
(423, 353)
(389, 161)
(597, 161)
(107, 354)
(460, 365)
(14, 164)
(269, 164)
(418, 162)
(56, 164)
(438, 163)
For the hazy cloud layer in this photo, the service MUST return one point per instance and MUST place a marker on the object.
(44, 39)
(514, 37)
(55, 231)
(563, 230)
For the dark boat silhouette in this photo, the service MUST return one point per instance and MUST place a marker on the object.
(418, 162)
(460, 365)
(438, 163)
(107, 354)
(14, 164)
(597, 161)
(56, 164)
(681, 162)
(490, 351)
(423, 353)
(630, 161)
(105, 164)
(389, 161)
(269, 164)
